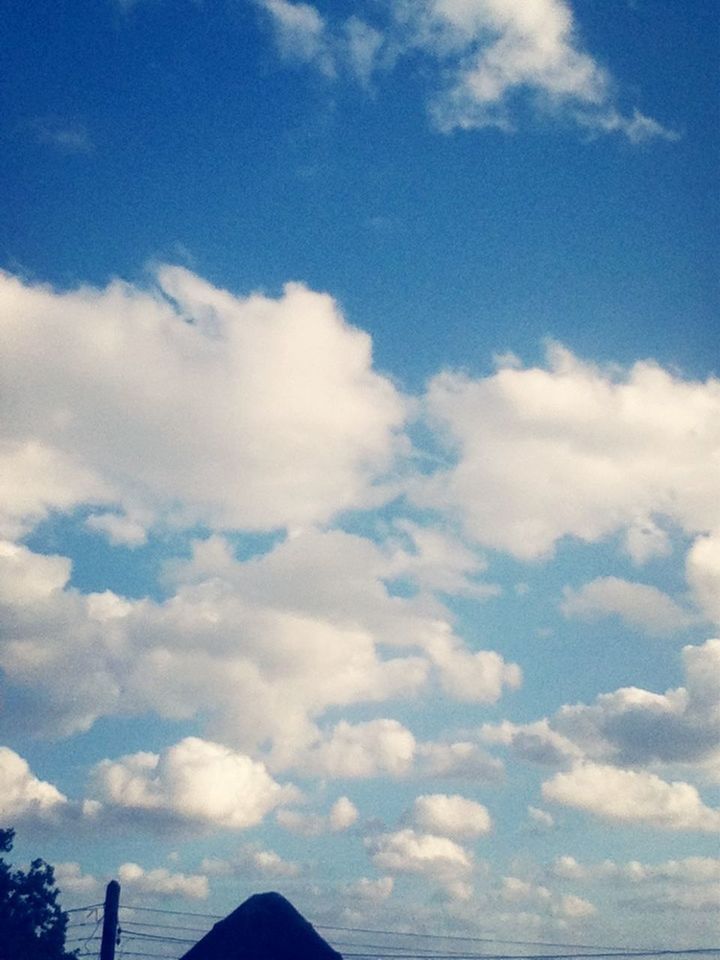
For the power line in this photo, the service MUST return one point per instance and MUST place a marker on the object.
(174, 913)
(470, 939)
(695, 951)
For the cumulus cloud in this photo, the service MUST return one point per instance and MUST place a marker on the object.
(342, 815)
(439, 859)
(686, 870)
(73, 882)
(541, 818)
(639, 604)
(478, 677)
(459, 759)
(487, 58)
(371, 891)
(194, 781)
(252, 861)
(370, 749)
(162, 883)
(120, 530)
(181, 389)
(703, 574)
(243, 644)
(301, 33)
(534, 742)
(450, 815)
(637, 727)
(22, 794)
(573, 450)
(632, 797)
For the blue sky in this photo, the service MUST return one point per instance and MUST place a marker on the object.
(359, 508)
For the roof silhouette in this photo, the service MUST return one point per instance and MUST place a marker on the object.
(264, 927)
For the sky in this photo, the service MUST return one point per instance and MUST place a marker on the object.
(360, 442)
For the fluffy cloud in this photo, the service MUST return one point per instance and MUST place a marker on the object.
(342, 815)
(632, 797)
(687, 870)
(634, 726)
(136, 881)
(22, 794)
(703, 575)
(162, 883)
(193, 781)
(639, 604)
(371, 891)
(252, 861)
(534, 742)
(156, 401)
(437, 858)
(244, 644)
(491, 54)
(300, 33)
(374, 748)
(460, 759)
(541, 818)
(574, 450)
(450, 815)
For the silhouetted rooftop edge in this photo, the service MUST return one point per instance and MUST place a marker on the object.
(265, 927)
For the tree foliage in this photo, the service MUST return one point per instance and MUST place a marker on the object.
(32, 923)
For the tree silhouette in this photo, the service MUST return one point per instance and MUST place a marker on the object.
(32, 923)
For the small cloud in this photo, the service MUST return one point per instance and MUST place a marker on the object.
(162, 883)
(343, 814)
(64, 135)
(120, 530)
(541, 818)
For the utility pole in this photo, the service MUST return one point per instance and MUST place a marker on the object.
(110, 921)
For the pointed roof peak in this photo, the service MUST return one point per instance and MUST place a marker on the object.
(266, 926)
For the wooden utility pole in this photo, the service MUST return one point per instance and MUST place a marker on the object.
(110, 921)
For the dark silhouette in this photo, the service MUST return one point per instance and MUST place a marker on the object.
(265, 927)
(32, 924)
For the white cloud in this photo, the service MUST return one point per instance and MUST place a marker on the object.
(574, 450)
(162, 883)
(120, 530)
(639, 604)
(245, 645)
(535, 742)
(450, 815)
(193, 781)
(632, 797)
(516, 890)
(30, 578)
(301, 33)
(252, 861)
(506, 47)
(703, 575)
(342, 815)
(439, 859)
(375, 748)
(688, 870)
(486, 57)
(575, 907)
(22, 794)
(637, 727)
(438, 561)
(472, 677)
(73, 882)
(371, 891)
(645, 539)
(540, 817)
(179, 390)
(460, 759)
